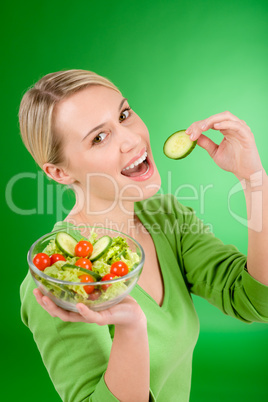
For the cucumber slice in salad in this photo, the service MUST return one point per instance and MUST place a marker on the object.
(100, 247)
(83, 270)
(66, 243)
(178, 145)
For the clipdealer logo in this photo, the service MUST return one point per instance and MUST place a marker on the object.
(48, 197)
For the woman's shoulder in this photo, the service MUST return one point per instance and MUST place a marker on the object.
(163, 203)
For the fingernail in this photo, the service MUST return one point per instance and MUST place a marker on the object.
(192, 137)
(45, 303)
(217, 124)
(204, 126)
(188, 131)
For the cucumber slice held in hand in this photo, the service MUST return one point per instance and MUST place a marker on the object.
(178, 145)
(66, 243)
(100, 247)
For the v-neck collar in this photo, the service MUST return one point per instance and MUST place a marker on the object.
(138, 208)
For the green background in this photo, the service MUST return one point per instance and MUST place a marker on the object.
(177, 62)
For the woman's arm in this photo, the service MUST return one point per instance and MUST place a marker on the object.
(237, 153)
(256, 194)
(128, 371)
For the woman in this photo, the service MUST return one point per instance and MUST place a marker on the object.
(82, 133)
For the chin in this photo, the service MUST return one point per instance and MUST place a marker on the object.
(141, 190)
(152, 188)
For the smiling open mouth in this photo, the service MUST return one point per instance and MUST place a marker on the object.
(138, 170)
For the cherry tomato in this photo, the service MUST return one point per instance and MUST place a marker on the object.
(41, 261)
(87, 278)
(83, 249)
(119, 268)
(107, 277)
(84, 263)
(94, 295)
(56, 257)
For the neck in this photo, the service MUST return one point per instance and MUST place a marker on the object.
(113, 214)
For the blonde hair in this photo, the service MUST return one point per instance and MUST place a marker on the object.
(36, 111)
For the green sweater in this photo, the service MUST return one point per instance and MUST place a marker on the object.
(192, 260)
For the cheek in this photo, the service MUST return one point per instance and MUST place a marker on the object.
(95, 174)
(103, 185)
(143, 128)
(83, 162)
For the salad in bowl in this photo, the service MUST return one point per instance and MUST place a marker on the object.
(83, 264)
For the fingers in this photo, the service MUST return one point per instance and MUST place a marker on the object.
(84, 313)
(54, 310)
(40, 298)
(217, 118)
(124, 313)
(90, 316)
(232, 126)
(237, 132)
(208, 145)
(200, 126)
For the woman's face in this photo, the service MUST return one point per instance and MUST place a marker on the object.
(96, 155)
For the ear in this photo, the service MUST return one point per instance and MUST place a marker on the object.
(58, 174)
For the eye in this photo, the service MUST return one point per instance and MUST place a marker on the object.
(127, 111)
(99, 138)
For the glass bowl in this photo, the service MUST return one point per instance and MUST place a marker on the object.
(61, 291)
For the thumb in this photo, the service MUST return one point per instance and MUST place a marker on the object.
(208, 145)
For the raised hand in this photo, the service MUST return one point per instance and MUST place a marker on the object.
(237, 153)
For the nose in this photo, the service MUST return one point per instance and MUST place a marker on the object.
(128, 139)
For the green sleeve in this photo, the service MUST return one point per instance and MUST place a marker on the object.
(217, 272)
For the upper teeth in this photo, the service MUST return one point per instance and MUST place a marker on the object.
(137, 162)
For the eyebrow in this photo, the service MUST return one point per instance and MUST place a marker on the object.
(102, 124)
